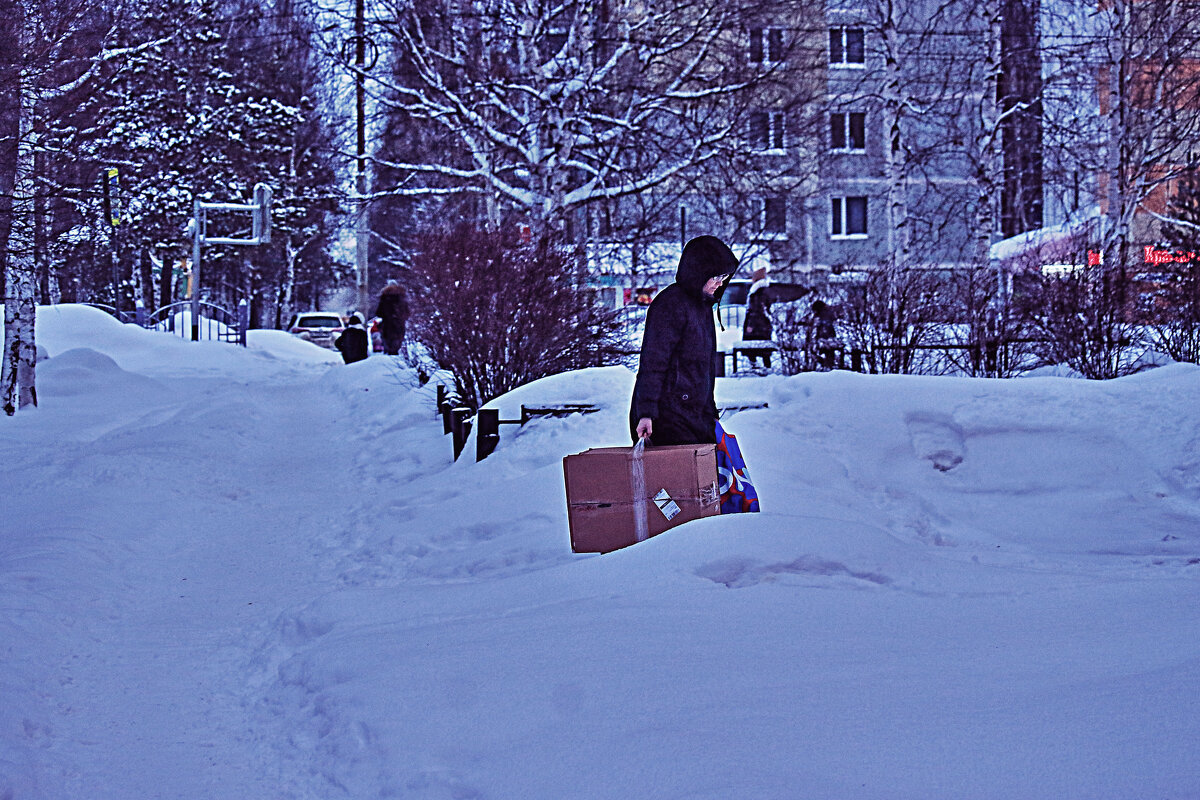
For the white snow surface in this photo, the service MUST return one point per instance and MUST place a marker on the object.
(257, 573)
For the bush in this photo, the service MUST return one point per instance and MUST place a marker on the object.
(1081, 320)
(498, 312)
(1170, 309)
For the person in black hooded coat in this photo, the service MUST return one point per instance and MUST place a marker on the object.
(393, 315)
(352, 344)
(673, 399)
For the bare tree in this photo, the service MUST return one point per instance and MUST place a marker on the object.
(17, 381)
(1171, 304)
(934, 88)
(1122, 104)
(891, 319)
(498, 312)
(1078, 324)
(980, 337)
(540, 109)
(1151, 106)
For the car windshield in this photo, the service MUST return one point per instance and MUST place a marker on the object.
(319, 322)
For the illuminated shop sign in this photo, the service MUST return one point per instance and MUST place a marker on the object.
(1156, 256)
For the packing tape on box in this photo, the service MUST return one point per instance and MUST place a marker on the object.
(637, 474)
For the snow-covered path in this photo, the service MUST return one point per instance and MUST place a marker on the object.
(204, 546)
(232, 573)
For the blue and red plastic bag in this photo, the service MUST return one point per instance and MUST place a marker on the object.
(738, 494)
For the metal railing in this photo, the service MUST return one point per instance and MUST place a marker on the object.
(128, 317)
(216, 323)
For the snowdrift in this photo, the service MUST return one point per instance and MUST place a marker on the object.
(256, 572)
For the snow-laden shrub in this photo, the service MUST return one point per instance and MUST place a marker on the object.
(1083, 320)
(498, 312)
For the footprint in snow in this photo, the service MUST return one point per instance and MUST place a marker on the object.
(738, 573)
(936, 438)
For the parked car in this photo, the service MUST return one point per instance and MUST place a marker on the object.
(319, 327)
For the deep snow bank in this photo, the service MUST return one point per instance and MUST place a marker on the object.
(256, 572)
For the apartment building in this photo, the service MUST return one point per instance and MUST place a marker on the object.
(884, 165)
(934, 144)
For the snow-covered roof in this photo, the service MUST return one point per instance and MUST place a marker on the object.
(1051, 244)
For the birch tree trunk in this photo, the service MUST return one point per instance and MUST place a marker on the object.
(17, 378)
(990, 157)
(1117, 228)
(287, 288)
(895, 164)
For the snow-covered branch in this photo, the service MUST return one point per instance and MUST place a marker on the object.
(106, 56)
(553, 108)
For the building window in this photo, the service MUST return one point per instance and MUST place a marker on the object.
(848, 131)
(849, 217)
(846, 47)
(766, 130)
(766, 45)
(772, 216)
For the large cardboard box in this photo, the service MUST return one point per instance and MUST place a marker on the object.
(680, 485)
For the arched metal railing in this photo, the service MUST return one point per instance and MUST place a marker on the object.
(215, 323)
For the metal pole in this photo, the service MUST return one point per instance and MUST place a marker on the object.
(443, 406)
(460, 429)
(361, 232)
(487, 433)
(197, 237)
(243, 320)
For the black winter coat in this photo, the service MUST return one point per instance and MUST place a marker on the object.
(392, 311)
(757, 324)
(352, 344)
(676, 375)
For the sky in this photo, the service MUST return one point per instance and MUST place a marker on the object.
(258, 573)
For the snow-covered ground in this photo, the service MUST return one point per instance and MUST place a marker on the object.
(256, 573)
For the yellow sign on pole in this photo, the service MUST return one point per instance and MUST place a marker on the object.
(114, 214)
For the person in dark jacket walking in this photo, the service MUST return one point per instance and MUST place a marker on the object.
(821, 342)
(352, 344)
(393, 316)
(757, 324)
(673, 399)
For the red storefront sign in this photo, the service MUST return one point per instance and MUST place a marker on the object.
(1155, 256)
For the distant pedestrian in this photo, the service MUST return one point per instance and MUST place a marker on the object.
(821, 343)
(757, 325)
(352, 344)
(393, 316)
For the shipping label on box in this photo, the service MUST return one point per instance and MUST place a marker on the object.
(680, 485)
